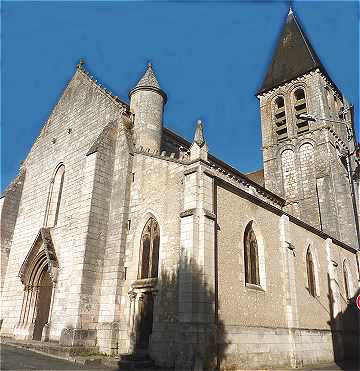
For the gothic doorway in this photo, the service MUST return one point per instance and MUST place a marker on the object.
(38, 275)
(43, 304)
(145, 320)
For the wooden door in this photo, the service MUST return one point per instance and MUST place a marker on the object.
(43, 305)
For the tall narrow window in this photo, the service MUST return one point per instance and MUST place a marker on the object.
(149, 251)
(54, 199)
(310, 273)
(300, 109)
(280, 118)
(251, 257)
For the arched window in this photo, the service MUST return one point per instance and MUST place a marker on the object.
(251, 256)
(280, 118)
(348, 292)
(300, 109)
(54, 199)
(149, 251)
(310, 273)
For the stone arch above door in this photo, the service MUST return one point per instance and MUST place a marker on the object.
(41, 247)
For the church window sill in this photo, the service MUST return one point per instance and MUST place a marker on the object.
(253, 287)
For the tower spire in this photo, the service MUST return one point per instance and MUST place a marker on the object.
(293, 57)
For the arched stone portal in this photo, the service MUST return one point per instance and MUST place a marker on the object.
(38, 275)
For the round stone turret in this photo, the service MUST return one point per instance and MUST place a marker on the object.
(147, 102)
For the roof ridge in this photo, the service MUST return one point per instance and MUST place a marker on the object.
(309, 47)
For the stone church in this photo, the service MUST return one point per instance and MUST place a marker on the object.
(122, 237)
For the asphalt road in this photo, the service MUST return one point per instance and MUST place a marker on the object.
(13, 358)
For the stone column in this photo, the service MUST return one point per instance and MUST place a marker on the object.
(29, 298)
(24, 305)
(46, 330)
(34, 303)
(132, 334)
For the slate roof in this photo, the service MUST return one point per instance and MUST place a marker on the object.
(294, 56)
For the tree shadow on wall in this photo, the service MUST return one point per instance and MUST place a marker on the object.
(186, 332)
(345, 332)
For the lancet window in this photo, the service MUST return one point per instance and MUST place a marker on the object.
(310, 273)
(149, 251)
(251, 256)
(54, 199)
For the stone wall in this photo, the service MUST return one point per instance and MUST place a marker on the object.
(279, 322)
(155, 190)
(72, 128)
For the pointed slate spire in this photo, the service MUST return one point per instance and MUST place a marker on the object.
(294, 56)
(149, 82)
(199, 148)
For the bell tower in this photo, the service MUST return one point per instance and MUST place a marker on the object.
(307, 136)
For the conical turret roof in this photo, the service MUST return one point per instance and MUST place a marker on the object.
(149, 82)
(149, 78)
(294, 56)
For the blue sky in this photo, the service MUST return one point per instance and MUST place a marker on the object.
(210, 58)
